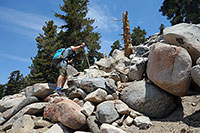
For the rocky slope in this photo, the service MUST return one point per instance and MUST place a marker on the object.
(154, 90)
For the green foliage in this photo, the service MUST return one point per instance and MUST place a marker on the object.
(78, 29)
(179, 11)
(138, 36)
(2, 90)
(116, 45)
(42, 70)
(15, 83)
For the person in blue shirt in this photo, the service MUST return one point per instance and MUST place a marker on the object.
(62, 66)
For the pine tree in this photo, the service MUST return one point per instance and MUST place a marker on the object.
(2, 90)
(15, 83)
(77, 29)
(42, 68)
(116, 45)
(179, 11)
(138, 36)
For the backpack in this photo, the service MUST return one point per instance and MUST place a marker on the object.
(58, 56)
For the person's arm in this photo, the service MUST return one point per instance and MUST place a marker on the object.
(77, 47)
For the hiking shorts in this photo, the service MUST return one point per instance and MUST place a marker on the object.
(62, 71)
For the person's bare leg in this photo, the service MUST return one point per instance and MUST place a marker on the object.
(64, 80)
(60, 81)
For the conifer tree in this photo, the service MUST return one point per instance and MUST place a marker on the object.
(178, 11)
(42, 68)
(79, 29)
(138, 36)
(15, 83)
(2, 90)
(116, 45)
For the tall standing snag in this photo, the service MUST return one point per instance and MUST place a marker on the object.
(126, 35)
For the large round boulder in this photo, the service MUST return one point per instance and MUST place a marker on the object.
(186, 36)
(169, 68)
(65, 111)
(148, 99)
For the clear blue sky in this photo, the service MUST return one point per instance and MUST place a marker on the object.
(21, 22)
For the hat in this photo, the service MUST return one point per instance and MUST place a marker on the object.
(72, 46)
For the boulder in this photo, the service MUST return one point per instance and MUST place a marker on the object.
(117, 54)
(34, 108)
(95, 73)
(40, 90)
(169, 68)
(105, 64)
(121, 107)
(137, 68)
(25, 102)
(186, 36)
(91, 84)
(148, 99)
(12, 111)
(96, 96)
(142, 122)
(10, 101)
(87, 108)
(23, 125)
(106, 112)
(65, 111)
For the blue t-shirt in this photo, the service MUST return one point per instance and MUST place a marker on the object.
(66, 53)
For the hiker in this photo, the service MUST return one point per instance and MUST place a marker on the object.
(62, 65)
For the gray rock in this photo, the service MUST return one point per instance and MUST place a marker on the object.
(128, 121)
(137, 68)
(142, 122)
(91, 84)
(42, 123)
(93, 124)
(76, 93)
(35, 108)
(124, 78)
(121, 107)
(87, 108)
(40, 90)
(105, 63)
(115, 75)
(96, 96)
(148, 99)
(95, 73)
(141, 50)
(25, 102)
(23, 125)
(111, 84)
(117, 54)
(106, 112)
(10, 101)
(186, 36)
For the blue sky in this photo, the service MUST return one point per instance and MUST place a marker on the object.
(21, 22)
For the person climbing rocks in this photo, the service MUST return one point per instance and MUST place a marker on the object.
(62, 65)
